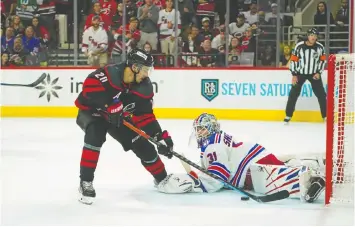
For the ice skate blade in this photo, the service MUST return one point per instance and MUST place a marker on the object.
(286, 123)
(86, 200)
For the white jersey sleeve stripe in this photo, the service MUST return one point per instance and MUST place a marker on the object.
(253, 152)
(219, 170)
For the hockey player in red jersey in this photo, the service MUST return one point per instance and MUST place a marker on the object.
(109, 94)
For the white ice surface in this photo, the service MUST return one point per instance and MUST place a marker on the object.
(40, 176)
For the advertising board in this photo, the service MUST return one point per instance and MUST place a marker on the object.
(230, 94)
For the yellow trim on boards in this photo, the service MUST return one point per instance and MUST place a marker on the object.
(168, 113)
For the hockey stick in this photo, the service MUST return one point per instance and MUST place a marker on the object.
(265, 198)
(34, 84)
(186, 166)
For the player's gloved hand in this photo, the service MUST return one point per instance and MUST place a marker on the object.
(168, 145)
(115, 113)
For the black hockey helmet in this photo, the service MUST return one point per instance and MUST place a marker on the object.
(312, 31)
(140, 57)
(141, 60)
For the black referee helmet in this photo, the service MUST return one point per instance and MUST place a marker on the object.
(312, 31)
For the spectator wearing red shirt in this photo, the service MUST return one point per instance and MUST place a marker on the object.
(40, 31)
(205, 8)
(129, 40)
(2, 7)
(105, 21)
(108, 7)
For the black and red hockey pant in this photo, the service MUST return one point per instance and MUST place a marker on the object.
(96, 128)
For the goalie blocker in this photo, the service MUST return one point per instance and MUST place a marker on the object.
(246, 165)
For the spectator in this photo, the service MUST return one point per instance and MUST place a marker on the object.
(130, 40)
(47, 13)
(167, 26)
(220, 40)
(17, 25)
(268, 57)
(109, 8)
(208, 57)
(2, 7)
(161, 4)
(261, 19)
(206, 8)
(131, 9)
(26, 9)
(30, 42)
(342, 20)
(7, 40)
(192, 42)
(41, 33)
(117, 19)
(248, 41)
(239, 26)
(18, 54)
(95, 42)
(105, 21)
(272, 16)
(234, 52)
(187, 12)
(207, 32)
(148, 16)
(285, 57)
(320, 18)
(5, 59)
(342, 16)
(251, 16)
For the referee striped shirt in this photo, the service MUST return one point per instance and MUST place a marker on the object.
(307, 60)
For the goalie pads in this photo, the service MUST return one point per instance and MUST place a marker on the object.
(301, 181)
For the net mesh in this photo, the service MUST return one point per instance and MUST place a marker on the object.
(343, 128)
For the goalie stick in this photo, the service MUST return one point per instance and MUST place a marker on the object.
(262, 199)
(34, 84)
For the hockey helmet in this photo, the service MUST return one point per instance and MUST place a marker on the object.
(312, 31)
(203, 127)
(141, 59)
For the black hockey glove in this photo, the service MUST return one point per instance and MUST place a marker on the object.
(168, 146)
(115, 112)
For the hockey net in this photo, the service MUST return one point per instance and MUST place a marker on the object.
(340, 130)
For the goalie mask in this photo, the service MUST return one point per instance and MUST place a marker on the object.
(203, 127)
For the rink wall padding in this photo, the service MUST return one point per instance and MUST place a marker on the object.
(234, 94)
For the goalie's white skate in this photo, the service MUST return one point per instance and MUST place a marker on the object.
(87, 192)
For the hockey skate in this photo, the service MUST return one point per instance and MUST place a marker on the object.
(87, 192)
(287, 120)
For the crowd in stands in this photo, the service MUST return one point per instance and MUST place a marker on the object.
(198, 30)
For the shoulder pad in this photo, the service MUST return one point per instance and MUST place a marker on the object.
(144, 89)
(114, 74)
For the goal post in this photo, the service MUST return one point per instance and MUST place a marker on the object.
(340, 129)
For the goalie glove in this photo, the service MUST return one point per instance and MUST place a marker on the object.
(312, 184)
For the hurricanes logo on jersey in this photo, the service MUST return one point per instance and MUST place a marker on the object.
(209, 88)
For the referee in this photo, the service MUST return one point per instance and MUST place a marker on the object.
(307, 63)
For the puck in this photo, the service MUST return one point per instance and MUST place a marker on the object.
(245, 198)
